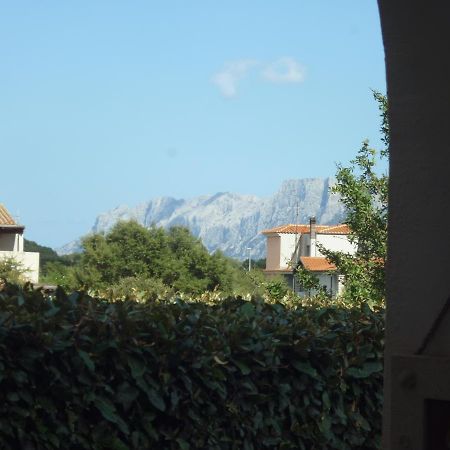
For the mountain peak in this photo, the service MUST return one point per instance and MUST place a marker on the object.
(232, 222)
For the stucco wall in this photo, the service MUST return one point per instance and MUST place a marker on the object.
(29, 261)
(287, 249)
(335, 242)
(19, 243)
(273, 252)
(329, 241)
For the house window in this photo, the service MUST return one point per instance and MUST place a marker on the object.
(308, 250)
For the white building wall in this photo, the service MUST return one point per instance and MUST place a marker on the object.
(284, 246)
(340, 281)
(19, 243)
(287, 247)
(29, 261)
(313, 250)
(335, 242)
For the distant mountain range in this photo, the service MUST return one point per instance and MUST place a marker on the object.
(231, 222)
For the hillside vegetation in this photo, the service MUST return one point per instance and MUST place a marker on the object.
(138, 262)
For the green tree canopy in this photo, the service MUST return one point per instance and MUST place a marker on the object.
(364, 192)
(174, 256)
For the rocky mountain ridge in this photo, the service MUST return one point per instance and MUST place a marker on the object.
(232, 222)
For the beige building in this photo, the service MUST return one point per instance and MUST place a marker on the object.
(289, 246)
(11, 246)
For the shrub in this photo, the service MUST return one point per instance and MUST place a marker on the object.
(84, 373)
(139, 288)
(12, 271)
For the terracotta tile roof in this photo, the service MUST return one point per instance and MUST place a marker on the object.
(316, 264)
(5, 217)
(340, 228)
(288, 229)
(304, 229)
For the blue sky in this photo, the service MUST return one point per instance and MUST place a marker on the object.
(115, 102)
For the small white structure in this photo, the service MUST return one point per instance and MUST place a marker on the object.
(289, 246)
(11, 246)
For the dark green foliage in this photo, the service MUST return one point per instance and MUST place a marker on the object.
(364, 193)
(83, 373)
(137, 262)
(307, 279)
(276, 288)
(311, 285)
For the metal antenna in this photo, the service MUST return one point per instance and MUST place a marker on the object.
(296, 242)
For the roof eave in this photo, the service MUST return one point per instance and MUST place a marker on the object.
(12, 228)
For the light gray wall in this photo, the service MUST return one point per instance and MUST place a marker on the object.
(416, 36)
(8, 242)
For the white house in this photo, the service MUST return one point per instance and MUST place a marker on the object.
(289, 246)
(11, 246)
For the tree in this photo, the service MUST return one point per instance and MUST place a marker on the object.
(364, 193)
(173, 258)
(311, 283)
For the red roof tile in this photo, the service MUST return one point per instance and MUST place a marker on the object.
(317, 264)
(340, 228)
(304, 229)
(288, 229)
(5, 217)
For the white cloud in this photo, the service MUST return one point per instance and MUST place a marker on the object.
(227, 79)
(284, 70)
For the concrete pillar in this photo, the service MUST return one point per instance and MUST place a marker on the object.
(416, 37)
(313, 236)
(19, 242)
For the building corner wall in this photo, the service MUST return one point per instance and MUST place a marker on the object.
(30, 262)
(273, 252)
(416, 38)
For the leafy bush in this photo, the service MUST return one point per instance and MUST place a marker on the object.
(276, 289)
(12, 271)
(137, 288)
(83, 373)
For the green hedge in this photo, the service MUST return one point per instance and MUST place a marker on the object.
(82, 373)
